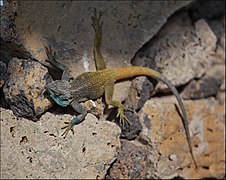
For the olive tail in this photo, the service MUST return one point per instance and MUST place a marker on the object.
(131, 71)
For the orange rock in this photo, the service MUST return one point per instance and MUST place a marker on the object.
(167, 136)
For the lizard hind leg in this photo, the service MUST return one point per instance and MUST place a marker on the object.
(109, 89)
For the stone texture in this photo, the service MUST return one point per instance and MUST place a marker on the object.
(36, 149)
(164, 132)
(66, 26)
(158, 148)
(181, 51)
(25, 86)
(132, 130)
(9, 39)
(207, 9)
(3, 72)
(208, 85)
(139, 92)
(131, 162)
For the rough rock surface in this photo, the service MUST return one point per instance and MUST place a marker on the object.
(180, 47)
(9, 38)
(208, 85)
(161, 150)
(167, 137)
(3, 72)
(36, 149)
(131, 162)
(66, 26)
(139, 92)
(25, 86)
(181, 51)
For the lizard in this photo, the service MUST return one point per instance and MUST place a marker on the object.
(92, 85)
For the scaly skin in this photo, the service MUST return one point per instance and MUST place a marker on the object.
(92, 85)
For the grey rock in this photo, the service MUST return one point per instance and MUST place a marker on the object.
(131, 130)
(3, 72)
(181, 51)
(66, 26)
(131, 162)
(37, 149)
(207, 9)
(207, 86)
(139, 92)
(11, 45)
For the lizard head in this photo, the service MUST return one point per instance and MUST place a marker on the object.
(59, 88)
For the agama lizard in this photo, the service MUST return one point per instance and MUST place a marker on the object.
(92, 85)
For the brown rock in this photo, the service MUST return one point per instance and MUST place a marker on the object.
(165, 133)
(25, 86)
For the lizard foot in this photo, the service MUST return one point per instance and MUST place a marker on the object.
(50, 54)
(96, 20)
(122, 117)
(75, 121)
(69, 127)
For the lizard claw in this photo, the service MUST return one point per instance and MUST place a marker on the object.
(74, 121)
(96, 20)
(69, 127)
(50, 54)
(122, 117)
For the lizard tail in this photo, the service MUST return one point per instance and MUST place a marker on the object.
(131, 71)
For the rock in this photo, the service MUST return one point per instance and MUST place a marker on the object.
(220, 51)
(207, 86)
(139, 93)
(37, 149)
(71, 35)
(131, 131)
(182, 52)
(25, 86)
(3, 72)
(221, 97)
(131, 162)
(9, 39)
(207, 10)
(164, 132)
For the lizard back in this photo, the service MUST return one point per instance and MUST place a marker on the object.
(90, 85)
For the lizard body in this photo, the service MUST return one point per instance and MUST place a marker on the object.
(92, 85)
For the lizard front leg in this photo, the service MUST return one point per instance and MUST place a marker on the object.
(109, 90)
(76, 120)
(52, 60)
